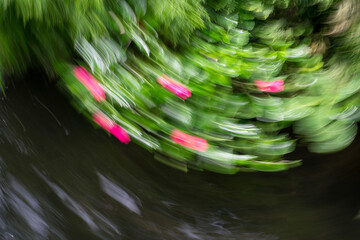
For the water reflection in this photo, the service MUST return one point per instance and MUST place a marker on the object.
(82, 184)
(120, 195)
(27, 207)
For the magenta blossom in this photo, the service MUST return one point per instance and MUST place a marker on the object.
(173, 86)
(120, 134)
(90, 83)
(274, 86)
(186, 140)
(103, 121)
(110, 126)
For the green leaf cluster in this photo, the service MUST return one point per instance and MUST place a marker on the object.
(219, 65)
(218, 50)
(177, 19)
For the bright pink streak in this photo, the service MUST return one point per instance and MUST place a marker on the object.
(110, 126)
(186, 140)
(120, 134)
(275, 86)
(103, 121)
(90, 83)
(173, 86)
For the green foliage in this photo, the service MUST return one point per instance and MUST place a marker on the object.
(227, 6)
(241, 125)
(177, 19)
(223, 48)
(42, 32)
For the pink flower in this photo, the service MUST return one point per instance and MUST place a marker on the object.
(186, 140)
(110, 126)
(120, 134)
(173, 86)
(90, 83)
(274, 86)
(103, 121)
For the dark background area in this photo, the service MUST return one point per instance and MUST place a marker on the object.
(61, 178)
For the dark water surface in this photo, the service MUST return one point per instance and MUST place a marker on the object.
(62, 179)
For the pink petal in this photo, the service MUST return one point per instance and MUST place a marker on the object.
(120, 134)
(103, 121)
(186, 140)
(90, 83)
(175, 87)
(274, 86)
(110, 126)
(200, 144)
(278, 83)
